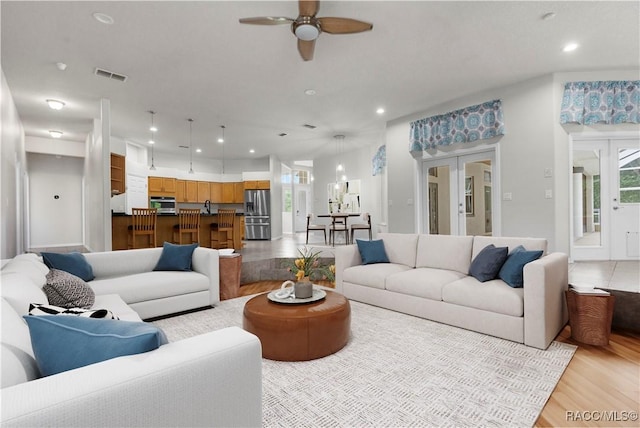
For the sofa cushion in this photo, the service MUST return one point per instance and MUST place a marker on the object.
(74, 263)
(372, 251)
(65, 343)
(117, 306)
(126, 262)
(16, 355)
(445, 252)
(492, 296)
(512, 270)
(400, 247)
(479, 242)
(67, 290)
(29, 265)
(40, 309)
(422, 282)
(486, 265)
(175, 257)
(152, 285)
(372, 275)
(19, 291)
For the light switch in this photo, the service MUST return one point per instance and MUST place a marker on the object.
(390, 202)
(548, 172)
(548, 194)
(507, 197)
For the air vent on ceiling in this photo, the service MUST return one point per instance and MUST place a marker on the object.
(183, 147)
(110, 75)
(282, 134)
(306, 125)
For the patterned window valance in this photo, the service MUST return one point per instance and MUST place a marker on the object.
(607, 102)
(461, 126)
(379, 160)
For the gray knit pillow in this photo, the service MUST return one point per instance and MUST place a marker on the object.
(68, 291)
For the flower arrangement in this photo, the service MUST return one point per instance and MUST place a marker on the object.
(308, 265)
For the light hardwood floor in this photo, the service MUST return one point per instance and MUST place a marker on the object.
(600, 381)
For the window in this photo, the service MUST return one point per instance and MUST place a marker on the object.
(301, 177)
(286, 201)
(629, 176)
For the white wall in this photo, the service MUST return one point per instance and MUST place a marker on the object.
(13, 175)
(54, 146)
(55, 221)
(275, 166)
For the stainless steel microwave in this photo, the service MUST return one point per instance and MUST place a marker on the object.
(164, 204)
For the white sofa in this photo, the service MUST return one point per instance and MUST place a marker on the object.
(208, 380)
(428, 277)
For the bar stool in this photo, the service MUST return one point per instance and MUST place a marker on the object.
(224, 226)
(358, 226)
(321, 227)
(338, 224)
(143, 223)
(189, 223)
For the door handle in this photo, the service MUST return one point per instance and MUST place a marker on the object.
(615, 208)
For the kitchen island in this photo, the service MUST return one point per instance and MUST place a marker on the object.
(164, 229)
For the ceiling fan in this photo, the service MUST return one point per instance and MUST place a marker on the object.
(307, 27)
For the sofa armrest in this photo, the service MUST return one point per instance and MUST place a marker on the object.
(346, 256)
(214, 379)
(545, 309)
(207, 262)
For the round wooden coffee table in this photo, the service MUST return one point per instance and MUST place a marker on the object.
(299, 332)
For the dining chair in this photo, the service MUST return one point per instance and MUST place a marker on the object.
(222, 230)
(188, 223)
(321, 227)
(362, 226)
(143, 224)
(338, 224)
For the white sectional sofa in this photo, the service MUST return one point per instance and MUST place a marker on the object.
(208, 380)
(428, 277)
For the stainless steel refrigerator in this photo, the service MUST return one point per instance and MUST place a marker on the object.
(257, 214)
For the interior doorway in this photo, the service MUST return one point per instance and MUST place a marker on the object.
(605, 197)
(459, 195)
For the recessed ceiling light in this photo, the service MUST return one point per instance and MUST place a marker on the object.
(151, 142)
(570, 47)
(380, 110)
(103, 18)
(310, 92)
(55, 104)
(252, 151)
(198, 150)
(55, 134)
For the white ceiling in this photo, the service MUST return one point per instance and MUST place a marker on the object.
(194, 60)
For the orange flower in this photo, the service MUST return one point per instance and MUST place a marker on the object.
(300, 275)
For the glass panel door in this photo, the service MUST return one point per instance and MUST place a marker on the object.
(625, 209)
(458, 194)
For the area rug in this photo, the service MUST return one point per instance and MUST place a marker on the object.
(399, 371)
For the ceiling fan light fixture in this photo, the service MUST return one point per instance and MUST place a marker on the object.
(55, 134)
(55, 104)
(307, 31)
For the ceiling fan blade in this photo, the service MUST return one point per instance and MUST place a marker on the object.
(308, 7)
(306, 49)
(267, 20)
(343, 25)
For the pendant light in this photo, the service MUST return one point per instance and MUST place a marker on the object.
(190, 151)
(221, 141)
(152, 141)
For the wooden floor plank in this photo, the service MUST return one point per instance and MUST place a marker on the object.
(598, 379)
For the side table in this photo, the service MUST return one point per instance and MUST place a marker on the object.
(230, 268)
(590, 317)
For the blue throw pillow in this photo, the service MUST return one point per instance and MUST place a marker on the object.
(488, 262)
(512, 270)
(175, 257)
(74, 263)
(62, 343)
(372, 252)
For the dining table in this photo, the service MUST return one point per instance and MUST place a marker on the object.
(339, 218)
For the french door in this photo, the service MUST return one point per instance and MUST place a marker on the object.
(605, 198)
(459, 195)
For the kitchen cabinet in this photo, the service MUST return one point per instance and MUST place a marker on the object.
(162, 186)
(215, 192)
(204, 191)
(181, 191)
(227, 193)
(192, 191)
(257, 184)
(117, 174)
(238, 193)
